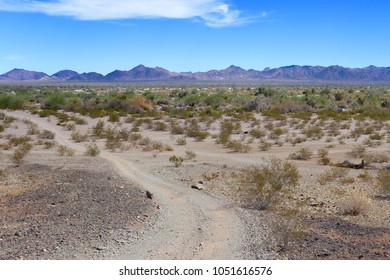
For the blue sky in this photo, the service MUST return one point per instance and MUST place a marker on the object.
(192, 35)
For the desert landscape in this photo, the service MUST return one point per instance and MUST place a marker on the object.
(211, 172)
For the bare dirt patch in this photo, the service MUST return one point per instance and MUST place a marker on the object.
(77, 208)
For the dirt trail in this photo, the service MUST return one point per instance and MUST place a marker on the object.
(192, 224)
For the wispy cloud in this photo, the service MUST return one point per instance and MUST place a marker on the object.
(214, 13)
(14, 57)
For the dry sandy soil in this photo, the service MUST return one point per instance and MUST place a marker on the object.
(83, 207)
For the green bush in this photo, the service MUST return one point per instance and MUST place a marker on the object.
(269, 182)
(98, 129)
(78, 136)
(46, 134)
(238, 146)
(177, 161)
(114, 117)
(190, 154)
(383, 180)
(92, 150)
(302, 154)
(356, 203)
(65, 151)
(181, 141)
(20, 153)
(55, 101)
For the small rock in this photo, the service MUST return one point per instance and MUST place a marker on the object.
(149, 195)
(197, 187)
(99, 248)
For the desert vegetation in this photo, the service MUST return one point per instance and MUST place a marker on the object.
(311, 157)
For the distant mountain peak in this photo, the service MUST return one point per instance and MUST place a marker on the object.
(236, 74)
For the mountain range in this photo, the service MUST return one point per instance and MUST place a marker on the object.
(233, 74)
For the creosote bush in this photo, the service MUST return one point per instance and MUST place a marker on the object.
(238, 146)
(181, 141)
(78, 136)
(92, 150)
(177, 161)
(383, 180)
(268, 182)
(20, 153)
(302, 154)
(190, 154)
(356, 203)
(65, 151)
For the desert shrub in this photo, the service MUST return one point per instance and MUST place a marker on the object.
(48, 144)
(383, 180)
(70, 126)
(78, 136)
(134, 137)
(3, 174)
(288, 227)
(55, 101)
(372, 143)
(46, 113)
(324, 161)
(17, 141)
(193, 130)
(160, 126)
(113, 143)
(114, 117)
(62, 117)
(257, 133)
(181, 141)
(356, 203)
(227, 128)
(265, 146)
(267, 183)
(46, 134)
(190, 154)
(332, 174)
(65, 151)
(322, 153)
(8, 119)
(376, 157)
(238, 146)
(92, 150)
(177, 161)
(347, 180)
(79, 121)
(211, 176)
(301, 154)
(177, 129)
(365, 176)
(276, 133)
(20, 153)
(145, 141)
(33, 129)
(98, 129)
(314, 132)
(297, 140)
(2, 128)
(200, 135)
(357, 151)
(376, 136)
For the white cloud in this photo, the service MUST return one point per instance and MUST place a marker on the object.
(14, 57)
(214, 13)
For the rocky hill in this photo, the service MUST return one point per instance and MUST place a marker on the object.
(287, 74)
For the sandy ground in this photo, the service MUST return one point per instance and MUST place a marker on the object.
(185, 223)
